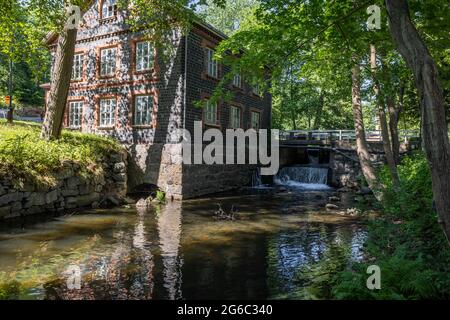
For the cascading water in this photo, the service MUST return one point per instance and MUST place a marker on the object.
(311, 178)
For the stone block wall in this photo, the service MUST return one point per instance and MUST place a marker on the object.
(71, 191)
(162, 165)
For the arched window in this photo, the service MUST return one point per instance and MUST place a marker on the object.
(109, 8)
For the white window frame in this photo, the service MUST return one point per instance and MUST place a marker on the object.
(143, 110)
(109, 9)
(212, 64)
(253, 120)
(107, 112)
(210, 111)
(235, 117)
(145, 56)
(237, 80)
(77, 68)
(108, 62)
(75, 114)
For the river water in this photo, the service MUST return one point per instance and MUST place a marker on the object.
(276, 247)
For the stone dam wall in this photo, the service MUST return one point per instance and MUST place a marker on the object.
(71, 192)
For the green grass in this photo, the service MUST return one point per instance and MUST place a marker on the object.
(25, 158)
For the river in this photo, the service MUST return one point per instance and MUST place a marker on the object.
(273, 249)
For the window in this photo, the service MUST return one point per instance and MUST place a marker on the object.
(109, 9)
(255, 120)
(143, 107)
(75, 114)
(237, 80)
(77, 68)
(108, 62)
(211, 63)
(235, 121)
(210, 113)
(107, 112)
(144, 56)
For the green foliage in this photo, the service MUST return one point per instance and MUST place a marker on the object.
(160, 196)
(407, 243)
(228, 18)
(26, 157)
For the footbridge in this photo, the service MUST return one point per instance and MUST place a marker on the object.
(336, 150)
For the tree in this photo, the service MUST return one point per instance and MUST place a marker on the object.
(361, 142)
(435, 129)
(228, 18)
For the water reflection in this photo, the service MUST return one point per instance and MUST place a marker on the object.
(178, 251)
(169, 231)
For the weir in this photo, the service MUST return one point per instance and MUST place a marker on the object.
(305, 177)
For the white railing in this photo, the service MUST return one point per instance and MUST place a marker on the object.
(340, 135)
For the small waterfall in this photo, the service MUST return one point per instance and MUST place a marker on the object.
(313, 178)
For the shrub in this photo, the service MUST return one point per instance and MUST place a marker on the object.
(407, 243)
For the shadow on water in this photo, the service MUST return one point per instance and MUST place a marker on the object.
(279, 242)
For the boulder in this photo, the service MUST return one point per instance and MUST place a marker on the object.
(73, 182)
(37, 199)
(331, 207)
(5, 211)
(10, 197)
(334, 199)
(87, 200)
(51, 196)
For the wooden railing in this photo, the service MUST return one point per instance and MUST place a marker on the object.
(341, 135)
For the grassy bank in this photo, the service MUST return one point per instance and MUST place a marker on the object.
(26, 158)
(406, 242)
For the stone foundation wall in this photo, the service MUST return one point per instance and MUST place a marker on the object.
(71, 191)
(200, 180)
(162, 165)
(347, 172)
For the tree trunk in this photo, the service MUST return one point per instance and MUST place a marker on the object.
(10, 115)
(318, 117)
(59, 88)
(361, 143)
(435, 130)
(383, 120)
(394, 118)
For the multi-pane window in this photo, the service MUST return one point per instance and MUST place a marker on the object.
(109, 8)
(235, 120)
(144, 56)
(107, 112)
(237, 80)
(77, 68)
(108, 62)
(75, 114)
(210, 113)
(212, 64)
(143, 107)
(255, 120)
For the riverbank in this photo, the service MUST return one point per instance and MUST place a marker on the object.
(38, 176)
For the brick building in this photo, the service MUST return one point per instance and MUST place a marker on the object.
(121, 87)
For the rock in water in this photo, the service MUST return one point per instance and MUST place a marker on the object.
(331, 207)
